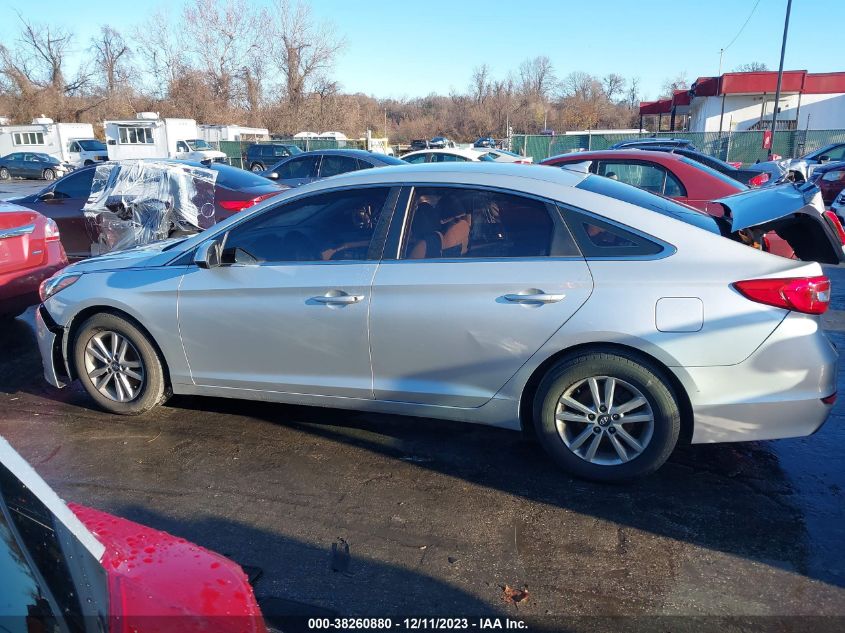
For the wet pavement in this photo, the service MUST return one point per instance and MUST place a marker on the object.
(17, 187)
(439, 517)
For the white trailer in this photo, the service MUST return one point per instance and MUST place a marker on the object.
(217, 133)
(148, 136)
(72, 143)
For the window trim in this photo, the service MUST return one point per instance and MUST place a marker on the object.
(400, 227)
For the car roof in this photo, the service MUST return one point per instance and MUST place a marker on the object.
(463, 151)
(657, 156)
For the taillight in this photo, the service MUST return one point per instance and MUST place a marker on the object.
(759, 180)
(240, 205)
(834, 220)
(810, 295)
(51, 231)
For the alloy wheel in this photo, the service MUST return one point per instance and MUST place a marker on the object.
(114, 366)
(4, 174)
(49, 174)
(604, 420)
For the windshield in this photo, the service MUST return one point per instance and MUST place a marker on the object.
(92, 145)
(633, 195)
(198, 144)
(716, 174)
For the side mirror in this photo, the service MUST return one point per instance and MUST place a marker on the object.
(208, 254)
(824, 159)
(47, 195)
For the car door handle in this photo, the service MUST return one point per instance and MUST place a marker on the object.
(338, 299)
(539, 297)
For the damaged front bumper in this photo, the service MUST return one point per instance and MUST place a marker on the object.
(51, 343)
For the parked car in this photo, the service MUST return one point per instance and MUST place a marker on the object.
(259, 156)
(66, 567)
(32, 165)
(62, 201)
(440, 142)
(676, 177)
(647, 143)
(830, 178)
(838, 207)
(751, 176)
(419, 143)
(504, 156)
(310, 166)
(802, 168)
(608, 320)
(485, 141)
(30, 252)
(454, 155)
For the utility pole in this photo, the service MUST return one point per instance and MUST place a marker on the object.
(780, 76)
(721, 53)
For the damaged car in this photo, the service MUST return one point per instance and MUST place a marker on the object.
(611, 323)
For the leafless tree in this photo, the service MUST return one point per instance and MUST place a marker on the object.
(480, 83)
(110, 56)
(613, 85)
(302, 50)
(162, 52)
(678, 82)
(751, 67)
(537, 77)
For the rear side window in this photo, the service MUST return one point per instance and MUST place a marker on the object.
(663, 206)
(77, 185)
(598, 238)
(450, 222)
(333, 165)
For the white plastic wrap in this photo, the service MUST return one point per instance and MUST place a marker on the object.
(136, 202)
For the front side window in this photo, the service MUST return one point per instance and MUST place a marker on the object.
(181, 146)
(74, 147)
(305, 167)
(334, 165)
(416, 158)
(325, 227)
(446, 222)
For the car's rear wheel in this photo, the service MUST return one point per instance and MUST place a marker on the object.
(607, 416)
(4, 174)
(256, 167)
(118, 365)
(49, 174)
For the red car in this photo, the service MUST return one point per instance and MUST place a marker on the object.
(71, 568)
(30, 252)
(669, 175)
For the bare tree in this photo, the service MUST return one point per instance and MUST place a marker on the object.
(160, 48)
(751, 67)
(613, 85)
(110, 56)
(480, 83)
(537, 77)
(302, 50)
(679, 82)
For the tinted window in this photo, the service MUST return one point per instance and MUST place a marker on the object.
(304, 167)
(330, 226)
(417, 158)
(598, 238)
(234, 178)
(451, 222)
(650, 177)
(76, 185)
(449, 158)
(362, 164)
(333, 165)
(632, 195)
(390, 160)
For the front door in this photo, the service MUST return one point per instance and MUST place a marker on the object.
(287, 311)
(482, 280)
(63, 202)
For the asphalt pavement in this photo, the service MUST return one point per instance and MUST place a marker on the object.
(440, 518)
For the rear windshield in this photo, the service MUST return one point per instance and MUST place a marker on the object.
(234, 178)
(632, 195)
(391, 160)
(716, 174)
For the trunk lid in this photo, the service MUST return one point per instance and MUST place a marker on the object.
(794, 212)
(21, 240)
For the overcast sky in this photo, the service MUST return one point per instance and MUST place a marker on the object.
(415, 47)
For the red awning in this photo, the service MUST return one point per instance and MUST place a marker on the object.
(663, 106)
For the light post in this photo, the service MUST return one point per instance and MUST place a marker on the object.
(780, 77)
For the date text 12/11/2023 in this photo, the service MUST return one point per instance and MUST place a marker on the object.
(417, 624)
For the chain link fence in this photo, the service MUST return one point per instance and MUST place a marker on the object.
(744, 147)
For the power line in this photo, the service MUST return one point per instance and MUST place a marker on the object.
(742, 28)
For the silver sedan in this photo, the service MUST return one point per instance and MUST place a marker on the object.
(610, 322)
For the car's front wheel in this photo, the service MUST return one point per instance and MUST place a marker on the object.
(607, 416)
(4, 174)
(118, 365)
(257, 167)
(49, 174)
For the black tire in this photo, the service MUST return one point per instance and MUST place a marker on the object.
(49, 174)
(11, 316)
(256, 167)
(4, 174)
(637, 372)
(88, 162)
(154, 389)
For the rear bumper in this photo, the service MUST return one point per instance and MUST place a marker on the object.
(19, 290)
(776, 393)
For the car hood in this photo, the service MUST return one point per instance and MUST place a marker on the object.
(794, 212)
(142, 256)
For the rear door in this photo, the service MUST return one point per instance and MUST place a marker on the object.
(473, 282)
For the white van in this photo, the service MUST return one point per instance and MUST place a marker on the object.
(147, 136)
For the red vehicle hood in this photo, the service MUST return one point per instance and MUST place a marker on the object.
(154, 574)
